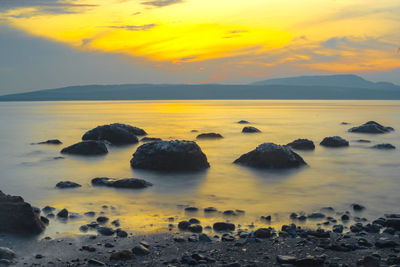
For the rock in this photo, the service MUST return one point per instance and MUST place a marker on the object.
(197, 228)
(384, 146)
(194, 221)
(84, 228)
(140, 250)
(371, 261)
(394, 223)
(250, 129)
(345, 217)
(17, 216)
(121, 255)
(223, 226)
(67, 184)
(86, 148)
(150, 139)
(6, 253)
(243, 122)
(184, 225)
(116, 223)
(96, 262)
(334, 141)
(48, 209)
(63, 213)
(338, 228)
(107, 231)
(357, 207)
(204, 238)
(302, 144)
(385, 243)
(131, 183)
(316, 215)
(50, 142)
(271, 156)
(284, 259)
(191, 209)
(209, 136)
(210, 209)
(44, 220)
(371, 127)
(121, 233)
(263, 233)
(102, 219)
(170, 156)
(90, 214)
(116, 134)
(363, 141)
(229, 213)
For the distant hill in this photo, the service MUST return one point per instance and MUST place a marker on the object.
(343, 80)
(312, 87)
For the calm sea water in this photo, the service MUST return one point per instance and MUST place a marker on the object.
(335, 177)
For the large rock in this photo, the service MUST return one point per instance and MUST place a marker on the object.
(17, 216)
(302, 144)
(334, 141)
(371, 127)
(209, 136)
(86, 148)
(271, 156)
(170, 156)
(116, 133)
(131, 183)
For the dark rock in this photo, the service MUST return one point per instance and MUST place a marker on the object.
(357, 207)
(197, 228)
(263, 233)
(250, 129)
(302, 144)
(122, 255)
(384, 146)
(131, 183)
(44, 220)
(209, 136)
(356, 228)
(140, 250)
(271, 156)
(84, 228)
(310, 261)
(116, 223)
(50, 142)
(204, 238)
(170, 156)
(372, 228)
(338, 228)
(183, 225)
(229, 213)
(293, 216)
(116, 134)
(371, 261)
(90, 214)
(63, 213)
(345, 217)
(48, 209)
(243, 122)
(86, 148)
(67, 184)
(223, 226)
(394, 223)
(194, 221)
(316, 215)
(227, 238)
(36, 210)
(150, 139)
(385, 243)
(284, 259)
(210, 209)
(363, 141)
(121, 233)
(107, 231)
(191, 209)
(334, 141)
(371, 127)
(6, 253)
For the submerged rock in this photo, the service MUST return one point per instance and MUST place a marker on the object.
(17, 216)
(86, 148)
(131, 183)
(170, 156)
(209, 136)
(271, 156)
(243, 122)
(67, 184)
(50, 142)
(371, 127)
(334, 141)
(302, 144)
(384, 146)
(250, 129)
(116, 134)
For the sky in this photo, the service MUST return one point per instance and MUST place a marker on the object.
(55, 43)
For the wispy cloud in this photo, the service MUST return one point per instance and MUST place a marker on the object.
(145, 27)
(162, 3)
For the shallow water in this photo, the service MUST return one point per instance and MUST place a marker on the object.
(335, 177)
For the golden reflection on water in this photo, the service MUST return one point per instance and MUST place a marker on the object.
(335, 177)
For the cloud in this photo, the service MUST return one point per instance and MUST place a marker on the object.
(145, 27)
(162, 3)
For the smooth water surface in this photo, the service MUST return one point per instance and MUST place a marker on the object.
(334, 177)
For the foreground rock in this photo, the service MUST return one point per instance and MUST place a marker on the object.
(116, 134)
(67, 184)
(384, 146)
(334, 141)
(170, 156)
(371, 127)
(271, 156)
(49, 142)
(250, 129)
(302, 144)
(209, 136)
(86, 148)
(17, 216)
(131, 183)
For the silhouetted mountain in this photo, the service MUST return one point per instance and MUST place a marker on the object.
(342, 80)
(316, 87)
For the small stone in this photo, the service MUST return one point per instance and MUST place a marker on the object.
(121, 233)
(107, 231)
(195, 228)
(183, 225)
(210, 209)
(67, 184)
(358, 207)
(63, 213)
(102, 219)
(140, 250)
(194, 221)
